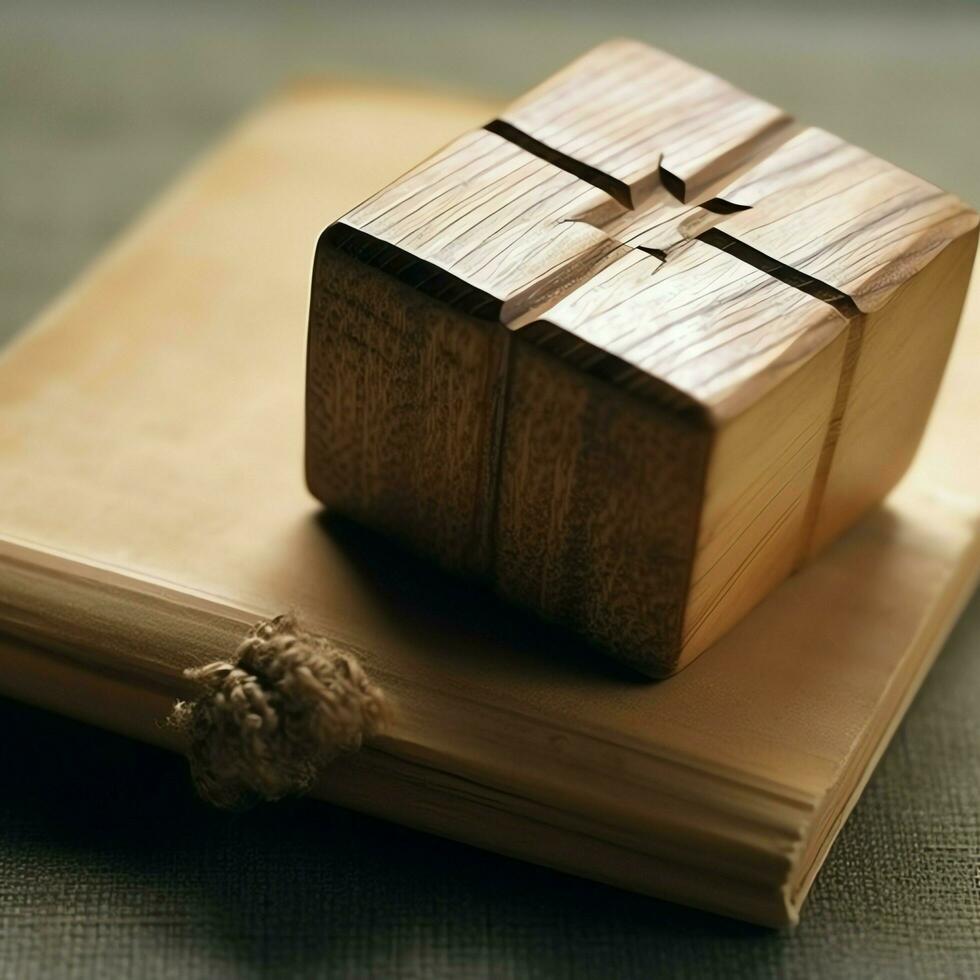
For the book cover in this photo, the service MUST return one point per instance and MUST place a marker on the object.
(152, 508)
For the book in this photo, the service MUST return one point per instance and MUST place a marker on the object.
(152, 508)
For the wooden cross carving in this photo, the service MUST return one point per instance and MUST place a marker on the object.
(633, 351)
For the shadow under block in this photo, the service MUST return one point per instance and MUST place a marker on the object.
(632, 352)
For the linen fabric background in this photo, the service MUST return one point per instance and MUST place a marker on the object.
(109, 867)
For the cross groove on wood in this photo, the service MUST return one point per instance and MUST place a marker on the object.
(639, 347)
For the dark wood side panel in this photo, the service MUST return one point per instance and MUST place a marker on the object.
(402, 394)
(598, 507)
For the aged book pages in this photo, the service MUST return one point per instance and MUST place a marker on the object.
(152, 506)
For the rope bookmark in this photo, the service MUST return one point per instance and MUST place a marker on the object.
(268, 720)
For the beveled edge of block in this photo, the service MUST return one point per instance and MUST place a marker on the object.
(441, 285)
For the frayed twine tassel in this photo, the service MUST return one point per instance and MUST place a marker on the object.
(270, 719)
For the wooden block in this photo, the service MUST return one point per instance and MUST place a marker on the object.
(632, 352)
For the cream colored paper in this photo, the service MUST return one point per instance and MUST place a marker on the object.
(152, 504)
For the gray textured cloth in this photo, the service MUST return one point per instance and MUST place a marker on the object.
(108, 865)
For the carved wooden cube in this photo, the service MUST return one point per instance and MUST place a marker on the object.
(633, 351)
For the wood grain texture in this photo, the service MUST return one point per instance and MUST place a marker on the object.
(414, 397)
(678, 296)
(634, 113)
(899, 364)
(579, 454)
